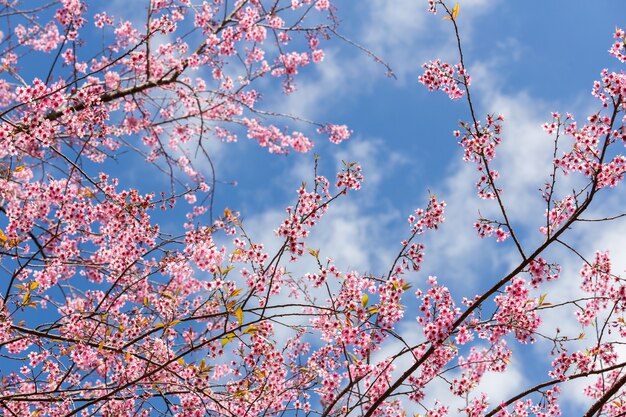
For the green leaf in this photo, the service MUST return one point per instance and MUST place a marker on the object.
(453, 14)
(239, 314)
(542, 299)
(250, 329)
(228, 338)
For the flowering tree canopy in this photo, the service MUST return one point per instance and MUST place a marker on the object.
(113, 303)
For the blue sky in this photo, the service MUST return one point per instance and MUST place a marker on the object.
(526, 59)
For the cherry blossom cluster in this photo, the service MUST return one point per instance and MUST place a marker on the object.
(603, 284)
(540, 270)
(288, 67)
(337, 133)
(415, 256)
(485, 184)
(553, 127)
(479, 142)
(588, 153)
(5, 325)
(350, 177)
(547, 406)
(412, 254)
(602, 384)
(486, 228)
(45, 39)
(442, 355)
(516, 313)
(477, 406)
(203, 251)
(309, 209)
(390, 309)
(345, 329)
(592, 360)
(612, 172)
(612, 86)
(438, 411)
(445, 77)
(376, 384)
(560, 212)
(277, 142)
(437, 311)
(71, 16)
(477, 363)
(430, 218)
(432, 6)
(253, 253)
(618, 49)
(317, 279)
(580, 362)
(587, 139)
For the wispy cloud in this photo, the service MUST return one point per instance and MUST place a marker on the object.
(406, 36)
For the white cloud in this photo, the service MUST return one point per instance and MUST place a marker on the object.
(327, 84)
(524, 161)
(405, 35)
(401, 33)
(357, 238)
(350, 232)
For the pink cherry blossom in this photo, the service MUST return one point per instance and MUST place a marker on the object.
(121, 301)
